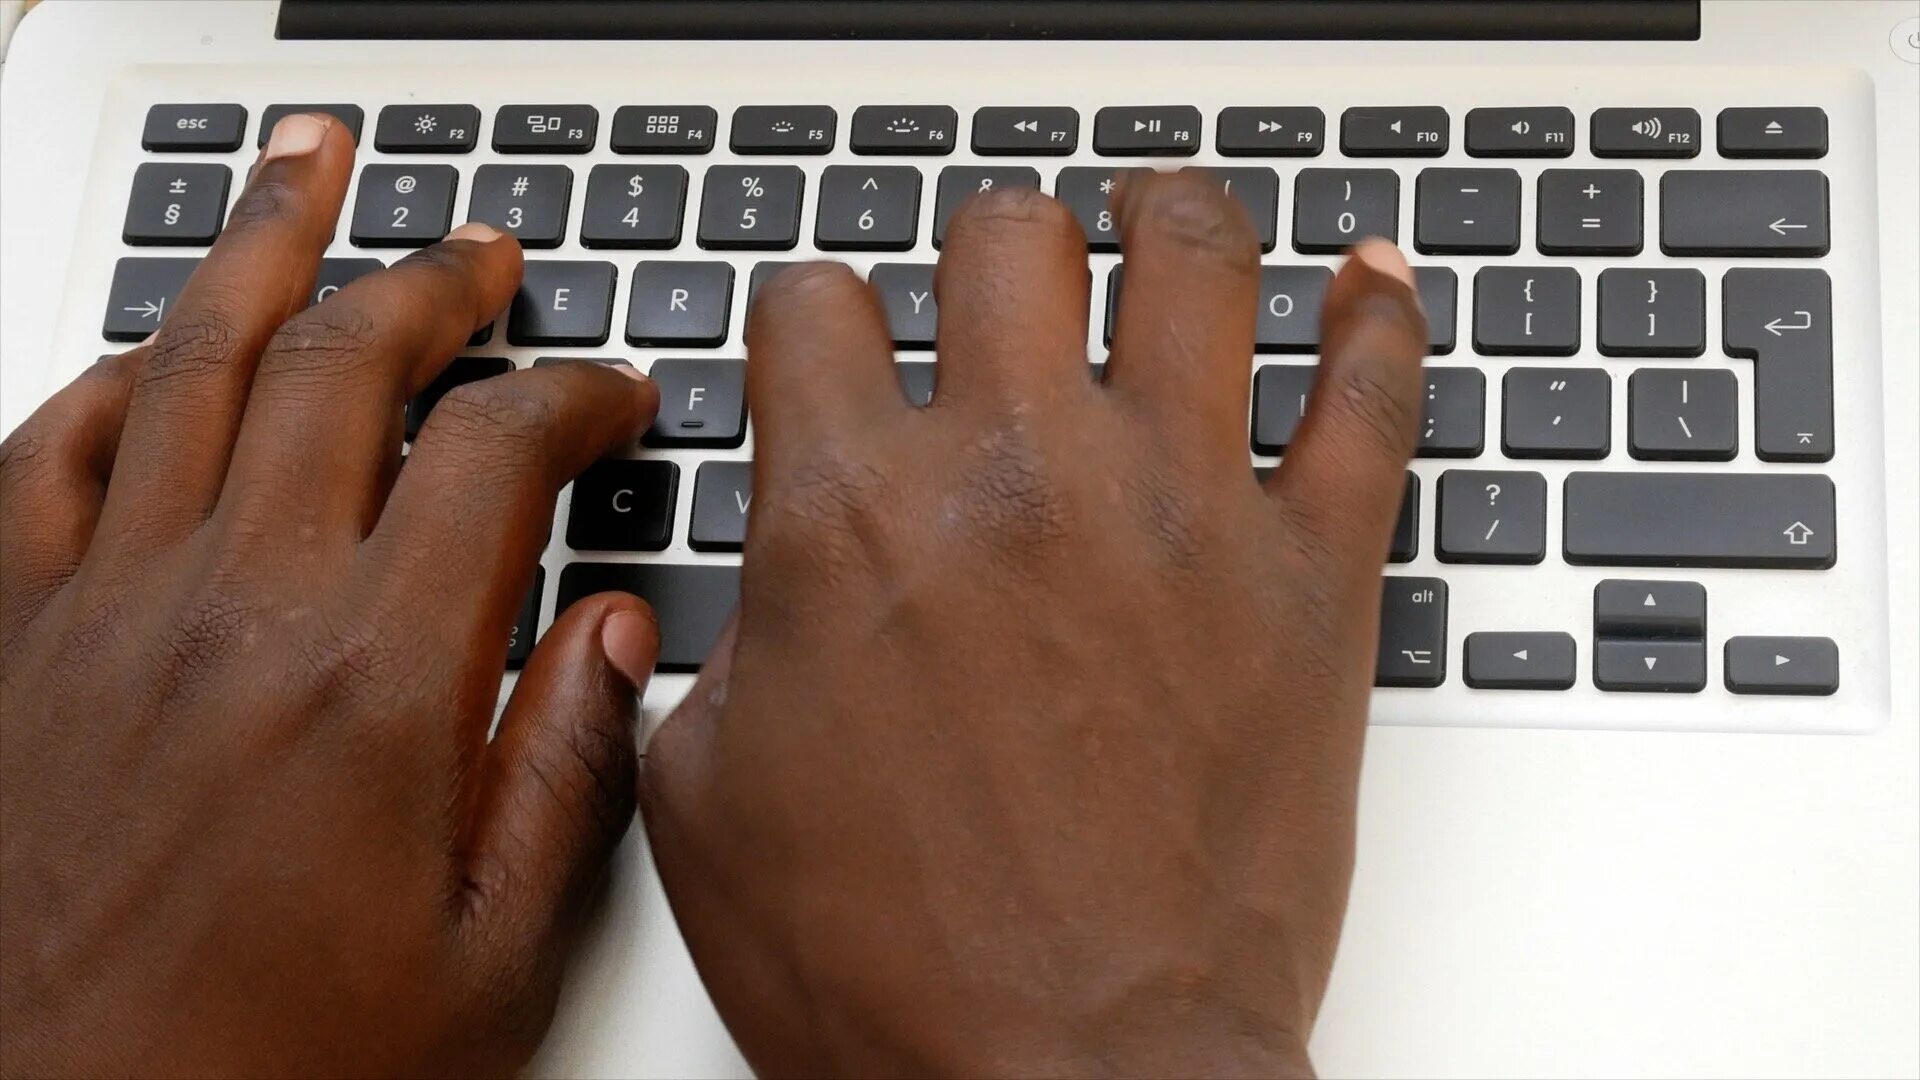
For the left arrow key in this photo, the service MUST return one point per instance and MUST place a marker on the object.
(142, 295)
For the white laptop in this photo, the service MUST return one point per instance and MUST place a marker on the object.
(1642, 796)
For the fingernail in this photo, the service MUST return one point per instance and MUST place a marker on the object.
(298, 133)
(148, 340)
(630, 372)
(477, 231)
(630, 640)
(1385, 258)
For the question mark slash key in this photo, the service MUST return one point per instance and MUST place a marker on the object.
(1491, 517)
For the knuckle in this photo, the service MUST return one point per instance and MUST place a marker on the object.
(27, 449)
(1009, 493)
(1380, 415)
(508, 405)
(198, 340)
(268, 199)
(328, 339)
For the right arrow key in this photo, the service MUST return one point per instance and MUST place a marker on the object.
(1782, 665)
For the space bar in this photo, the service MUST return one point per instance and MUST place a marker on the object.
(1783, 521)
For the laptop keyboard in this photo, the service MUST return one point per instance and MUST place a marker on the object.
(681, 207)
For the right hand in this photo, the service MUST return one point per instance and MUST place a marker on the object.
(1037, 745)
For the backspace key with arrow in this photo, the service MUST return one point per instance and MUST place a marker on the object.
(1770, 212)
(1783, 320)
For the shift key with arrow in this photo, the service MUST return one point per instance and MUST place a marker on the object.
(142, 295)
(1783, 320)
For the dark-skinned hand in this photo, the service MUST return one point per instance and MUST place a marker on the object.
(1035, 748)
(250, 819)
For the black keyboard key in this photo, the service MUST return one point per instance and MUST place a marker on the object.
(403, 205)
(1413, 633)
(350, 115)
(141, 293)
(1438, 287)
(1491, 517)
(1086, 191)
(427, 129)
(1467, 212)
(1782, 665)
(1625, 607)
(1520, 660)
(722, 494)
(782, 129)
(763, 272)
(603, 361)
(1683, 414)
(662, 129)
(906, 293)
(903, 129)
(1026, 130)
(1280, 393)
(1526, 311)
(1783, 319)
(1556, 413)
(623, 505)
(1394, 131)
(1258, 189)
(545, 129)
(634, 206)
(1652, 312)
(916, 381)
(703, 403)
(1160, 130)
(1453, 421)
(1773, 133)
(1517, 133)
(679, 303)
(755, 207)
(1406, 528)
(194, 128)
(177, 204)
(868, 208)
(1589, 212)
(562, 303)
(526, 624)
(692, 603)
(1334, 209)
(336, 273)
(1645, 133)
(1258, 131)
(459, 372)
(958, 183)
(1759, 520)
(1656, 666)
(1288, 319)
(1779, 212)
(529, 201)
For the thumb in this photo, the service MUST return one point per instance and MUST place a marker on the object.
(677, 758)
(557, 784)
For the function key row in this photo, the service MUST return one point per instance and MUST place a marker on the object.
(1120, 130)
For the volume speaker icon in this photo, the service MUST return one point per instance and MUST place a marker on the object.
(1520, 127)
(1650, 127)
